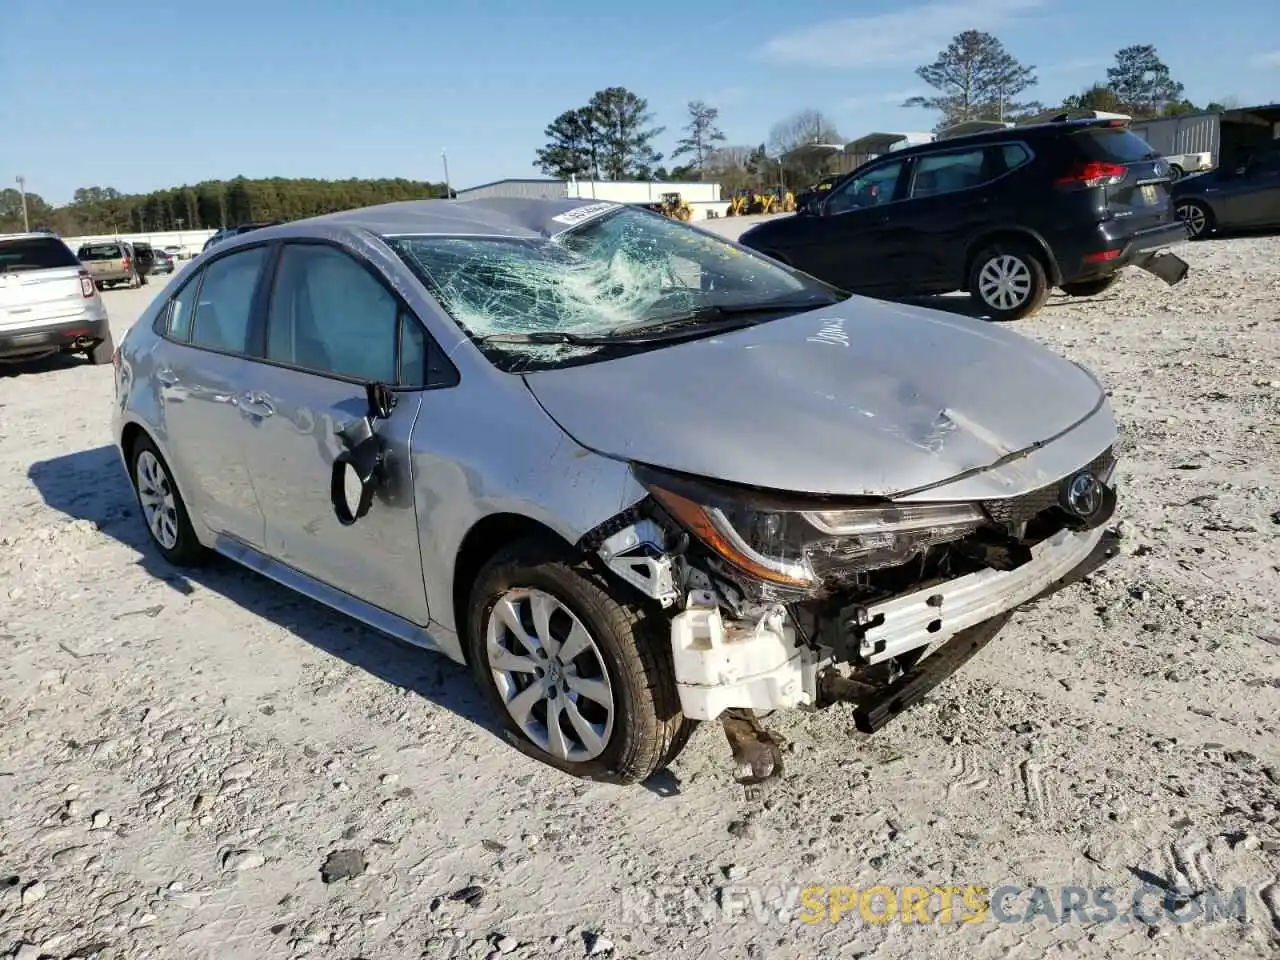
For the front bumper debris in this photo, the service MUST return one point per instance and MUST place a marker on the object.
(904, 623)
(1169, 267)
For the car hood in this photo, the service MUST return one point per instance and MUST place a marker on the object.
(863, 398)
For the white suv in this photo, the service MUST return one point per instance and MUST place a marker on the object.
(48, 301)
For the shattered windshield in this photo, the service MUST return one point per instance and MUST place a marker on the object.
(612, 274)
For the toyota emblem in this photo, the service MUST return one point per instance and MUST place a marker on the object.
(1084, 495)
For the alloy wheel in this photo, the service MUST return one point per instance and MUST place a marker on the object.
(1193, 215)
(550, 674)
(1005, 281)
(155, 494)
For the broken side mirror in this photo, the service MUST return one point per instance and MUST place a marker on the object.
(355, 474)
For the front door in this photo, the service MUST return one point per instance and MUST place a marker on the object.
(850, 243)
(331, 327)
(201, 371)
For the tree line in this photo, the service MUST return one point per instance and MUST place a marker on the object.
(207, 205)
(975, 77)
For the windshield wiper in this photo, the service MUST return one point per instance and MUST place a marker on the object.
(726, 314)
(548, 336)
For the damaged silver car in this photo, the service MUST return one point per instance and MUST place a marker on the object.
(635, 475)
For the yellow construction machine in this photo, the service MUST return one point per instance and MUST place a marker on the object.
(676, 207)
(738, 204)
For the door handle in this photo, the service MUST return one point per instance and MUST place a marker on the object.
(256, 404)
(166, 376)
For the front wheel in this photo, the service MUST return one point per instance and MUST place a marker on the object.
(580, 680)
(1090, 288)
(1197, 217)
(1175, 171)
(1008, 281)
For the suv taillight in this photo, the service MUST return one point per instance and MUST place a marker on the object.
(1094, 174)
(86, 284)
(125, 263)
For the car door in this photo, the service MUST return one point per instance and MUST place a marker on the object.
(847, 243)
(332, 325)
(1255, 196)
(949, 200)
(201, 370)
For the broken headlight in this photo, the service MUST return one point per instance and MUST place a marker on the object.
(797, 543)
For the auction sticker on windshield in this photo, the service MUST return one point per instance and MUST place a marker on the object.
(579, 214)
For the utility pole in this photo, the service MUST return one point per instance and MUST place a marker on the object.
(22, 189)
(448, 190)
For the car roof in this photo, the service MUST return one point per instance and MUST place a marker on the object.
(1033, 130)
(506, 217)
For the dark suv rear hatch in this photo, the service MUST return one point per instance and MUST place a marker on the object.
(1135, 179)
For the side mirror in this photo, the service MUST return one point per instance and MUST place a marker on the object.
(355, 471)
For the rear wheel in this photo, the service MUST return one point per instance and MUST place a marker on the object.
(1090, 288)
(1197, 217)
(1008, 280)
(163, 510)
(1175, 171)
(580, 680)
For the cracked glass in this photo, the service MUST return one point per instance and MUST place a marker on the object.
(617, 270)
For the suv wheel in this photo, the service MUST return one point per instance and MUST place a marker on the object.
(581, 681)
(1197, 217)
(165, 514)
(1090, 288)
(1008, 280)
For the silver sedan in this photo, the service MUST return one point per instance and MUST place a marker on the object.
(635, 475)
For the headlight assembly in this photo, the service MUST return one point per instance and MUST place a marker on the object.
(795, 545)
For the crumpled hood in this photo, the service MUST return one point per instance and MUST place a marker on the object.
(860, 398)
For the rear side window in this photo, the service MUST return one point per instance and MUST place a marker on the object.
(937, 173)
(221, 319)
(101, 251)
(35, 253)
(181, 307)
(1015, 155)
(1113, 146)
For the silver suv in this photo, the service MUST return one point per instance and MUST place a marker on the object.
(635, 475)
(48, 301)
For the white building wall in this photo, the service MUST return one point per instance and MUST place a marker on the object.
(622, 191)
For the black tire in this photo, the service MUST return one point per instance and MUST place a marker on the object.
(1037, 287)
(1176, 171)
(102, 351)
(187, 551)
(100, 285)
(634, 648)
(1090, 288)
(1198, 218)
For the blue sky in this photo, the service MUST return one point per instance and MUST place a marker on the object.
(338, 88)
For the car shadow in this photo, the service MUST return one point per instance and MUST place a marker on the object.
(49, 363)
(92, 485)
(966, 307)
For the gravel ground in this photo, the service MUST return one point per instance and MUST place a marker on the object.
(189, 767)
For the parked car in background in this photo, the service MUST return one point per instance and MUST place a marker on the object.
(226, 232)
(1006, 214)
(1185, 164)
(48, 301)
(111, 263)
(176, 252)
(633, 474)
(164, 263)
(1246, 197)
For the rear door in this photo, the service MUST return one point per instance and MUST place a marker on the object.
(333, 325)
(40, 283)
(202, 372)
(1135, 179)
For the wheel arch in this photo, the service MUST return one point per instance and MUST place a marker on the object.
(486, 537)
(1038, 245)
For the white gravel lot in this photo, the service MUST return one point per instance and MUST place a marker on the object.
(179, 756)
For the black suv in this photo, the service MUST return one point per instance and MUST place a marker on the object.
(1005, 214)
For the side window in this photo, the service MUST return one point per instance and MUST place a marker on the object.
(175, 320)
(413, 352)
(948, 172)
(221, 318)
(1015, 155)
(330, 315)
(871, 189)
